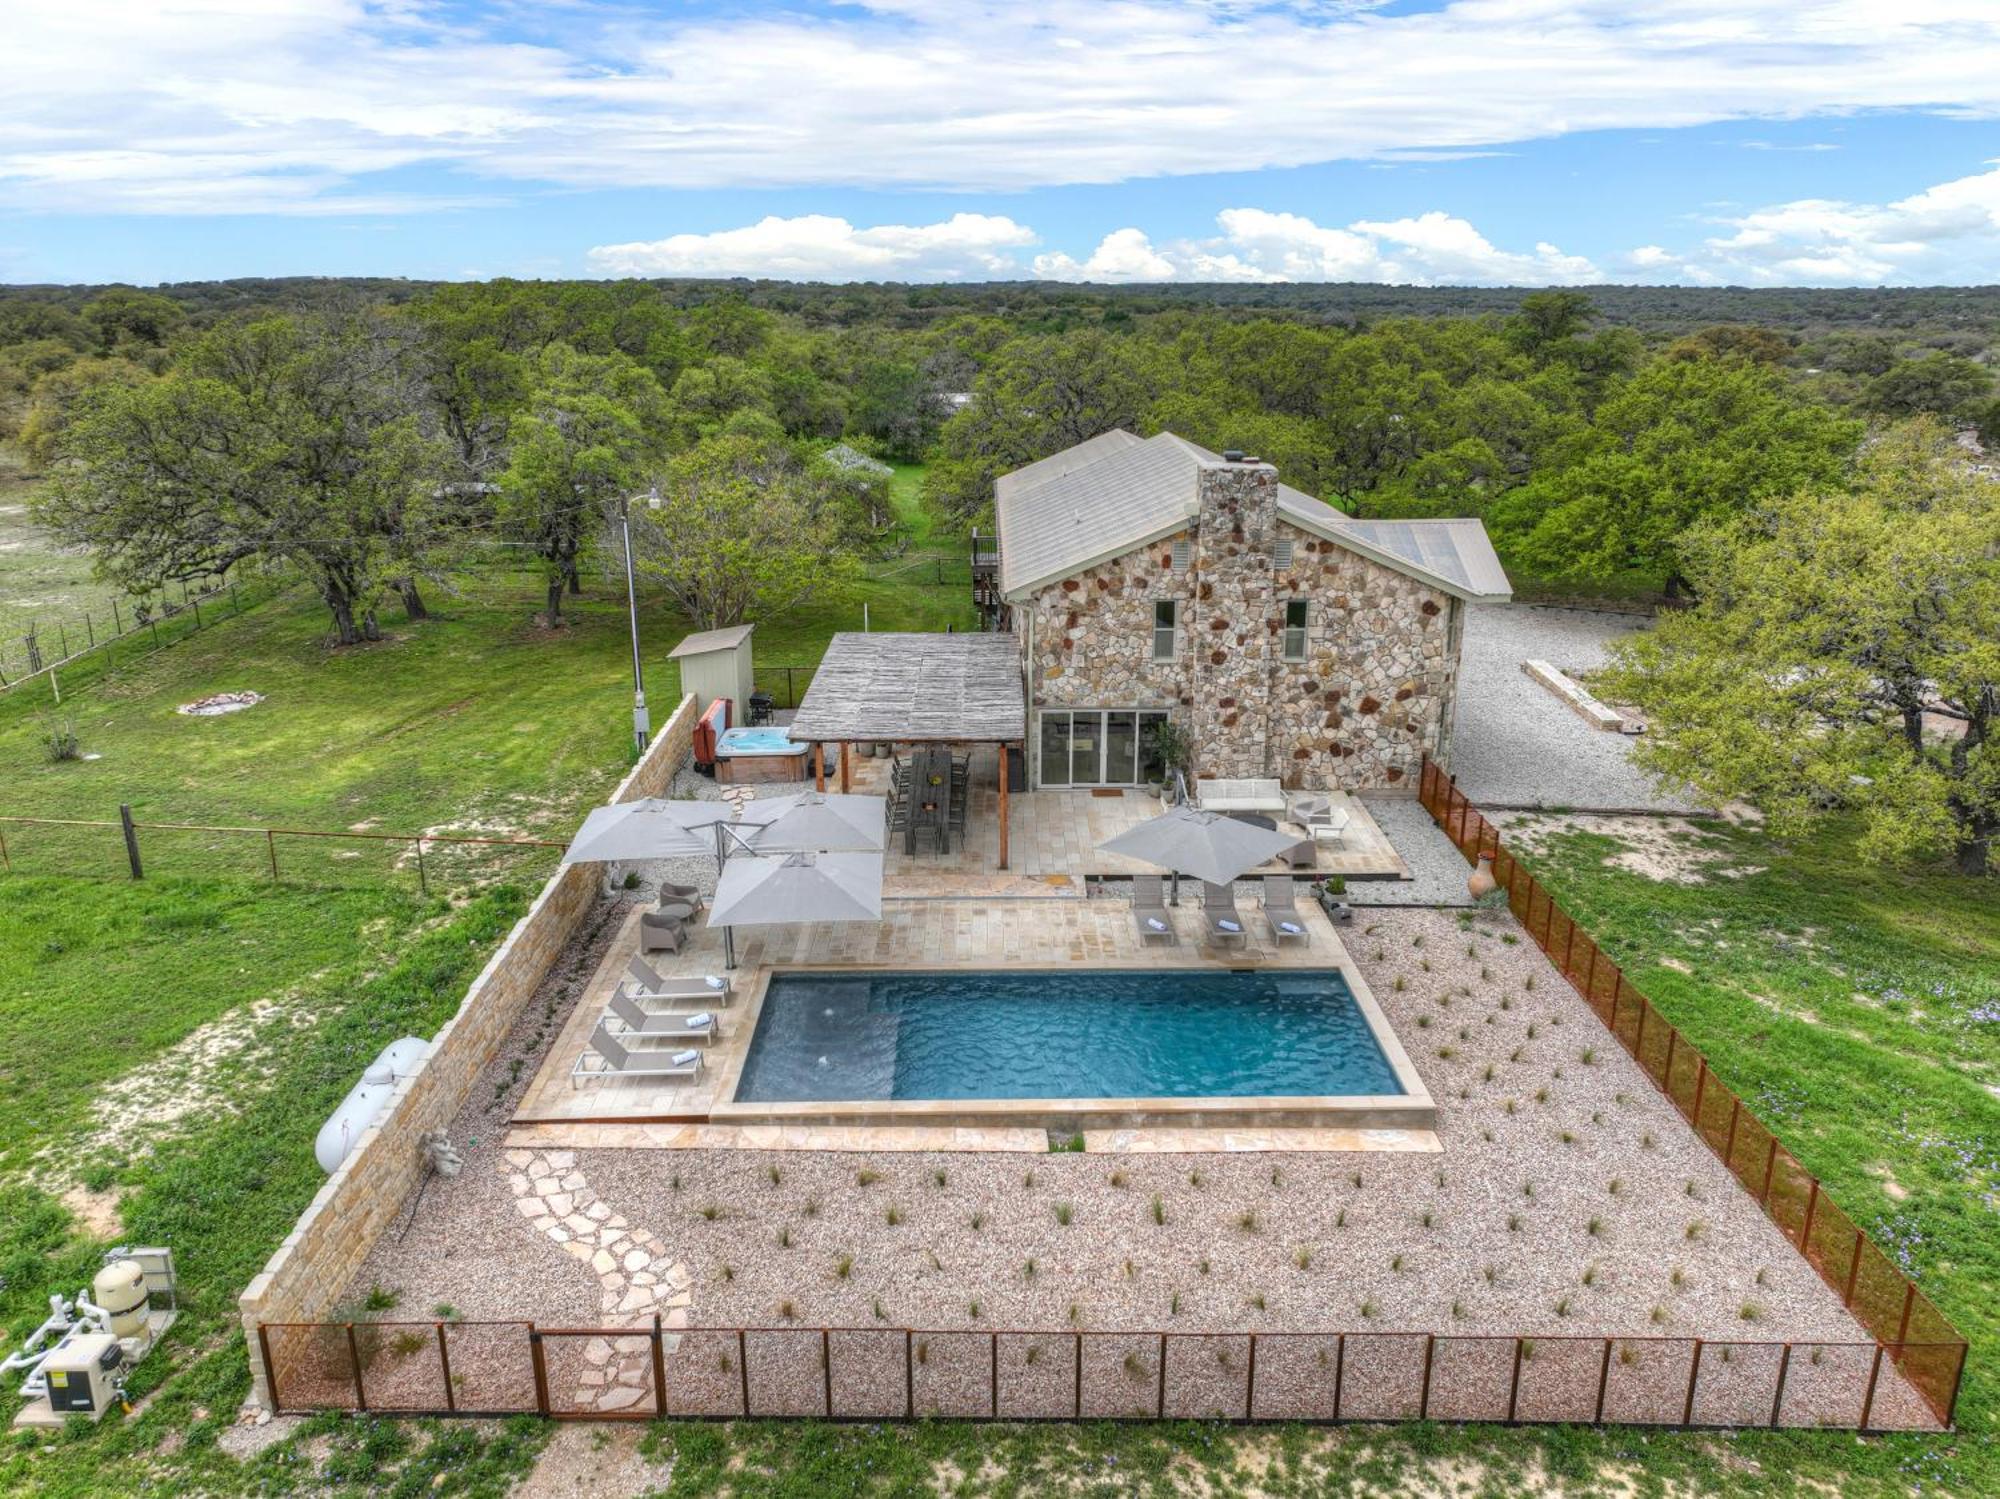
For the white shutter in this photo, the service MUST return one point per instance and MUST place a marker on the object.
(1281, 554)
(1182, 552)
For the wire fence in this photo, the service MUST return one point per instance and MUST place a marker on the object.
(299, 856)
(129, 627)
(1928, 1351)
(876, 1373)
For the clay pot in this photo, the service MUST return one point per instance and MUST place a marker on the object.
(1480, 883)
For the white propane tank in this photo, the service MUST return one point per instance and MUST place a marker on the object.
(119, 1289)
(366, 1100)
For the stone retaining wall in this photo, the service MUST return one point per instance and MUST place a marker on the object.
(335, 1233)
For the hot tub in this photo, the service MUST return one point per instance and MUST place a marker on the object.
(761, 754)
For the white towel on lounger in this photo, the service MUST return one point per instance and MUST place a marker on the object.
(1229, 926)
(699, 1019)
(1290, 928)
(686, 1058)
(1156, 924)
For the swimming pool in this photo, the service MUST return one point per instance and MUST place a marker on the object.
(1076, 1034)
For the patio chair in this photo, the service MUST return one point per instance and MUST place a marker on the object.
(603, 1056)
(1149, 911)
(1319, 817)
(637, 1024)
(1218, 909)
(1281, 911)
(682, 895)
(647, 983)
(661, 933)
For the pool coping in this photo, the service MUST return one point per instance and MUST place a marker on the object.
(1411, 1109)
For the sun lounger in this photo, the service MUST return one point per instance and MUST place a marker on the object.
(1149, 911)
(1218, 910)
(633, 1023)
(645, 983)
(606, 1057)
(1281, 910)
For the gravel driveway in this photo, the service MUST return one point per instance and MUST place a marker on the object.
(1514, 744)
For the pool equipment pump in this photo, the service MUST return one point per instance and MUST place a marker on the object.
(98, 1336)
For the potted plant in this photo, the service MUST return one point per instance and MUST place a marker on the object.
(1329, 891)
(1170, 744)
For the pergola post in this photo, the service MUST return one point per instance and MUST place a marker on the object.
(846, 775)
(819, 765)
(1003, 803)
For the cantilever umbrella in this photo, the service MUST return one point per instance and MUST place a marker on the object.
(658, 828)
(820, 822)
(770, 889)
(1207, 845)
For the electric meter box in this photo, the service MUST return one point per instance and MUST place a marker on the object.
(82, 1376)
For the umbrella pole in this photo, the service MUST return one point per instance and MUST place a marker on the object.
(729, 947)
(1174, 883)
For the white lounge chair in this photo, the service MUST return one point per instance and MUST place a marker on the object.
(644, 982)
(1281, 911)
(636, 1024)
(1149, 911)
(1319, 817)
(605, 1057)
(1218, 909)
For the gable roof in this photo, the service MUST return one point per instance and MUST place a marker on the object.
(1117, 492)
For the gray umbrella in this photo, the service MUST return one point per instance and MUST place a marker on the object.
(769, 889)
(1207, 845)
(816, 821)
(656, 828)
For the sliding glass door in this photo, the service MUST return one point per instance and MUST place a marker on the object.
(1099, 746)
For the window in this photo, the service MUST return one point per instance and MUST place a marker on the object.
(1295, 629)
(1166, 629)
(1281, 554)
(1181, 553)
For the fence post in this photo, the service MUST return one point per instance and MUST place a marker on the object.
(993, 1373)
(743, 1370)
(659, 1352)
(1514, 1390)
(131, 841)
(1424, 1397)
(1160, 1400)
(1778, 1399)
(1250, 1381)
(62, 639)
(1339, 1370)
(1805, 1228)
(1868, 1400)
(909, 1378)
(541, 1369)
(1077, 1338)
(1603, 1382)
(354, 1362)
(1694, 1373)
(1729, 1147)
(444, 1367)
(1770, 1169)
(197, 610)
(270, 1369)
(423, 880)
(271, 845)
(90, 630)
(825, 1366)
(117, 624)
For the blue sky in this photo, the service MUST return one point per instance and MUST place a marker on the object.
(1827, 142)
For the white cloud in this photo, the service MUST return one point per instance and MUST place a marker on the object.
(1257, 245)
(189, 106)
(816, 247)
(1947, 233)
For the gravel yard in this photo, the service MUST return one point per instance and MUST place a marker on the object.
(1569, 1201)
(1514, 744)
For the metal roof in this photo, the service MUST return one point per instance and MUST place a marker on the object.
(1116, 492)
(910, 687)
(725, 639)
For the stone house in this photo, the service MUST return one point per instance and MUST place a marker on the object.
(1148, 578)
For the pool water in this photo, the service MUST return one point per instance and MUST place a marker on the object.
(1096, 1033)
(761, 740)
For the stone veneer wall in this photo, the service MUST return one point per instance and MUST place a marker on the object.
(363, 1197)
(1373, 696)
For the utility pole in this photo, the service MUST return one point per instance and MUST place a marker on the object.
(642, 726)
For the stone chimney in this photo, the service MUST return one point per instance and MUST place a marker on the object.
(1230, 630)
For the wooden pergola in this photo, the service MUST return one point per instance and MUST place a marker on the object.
(899, 688)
